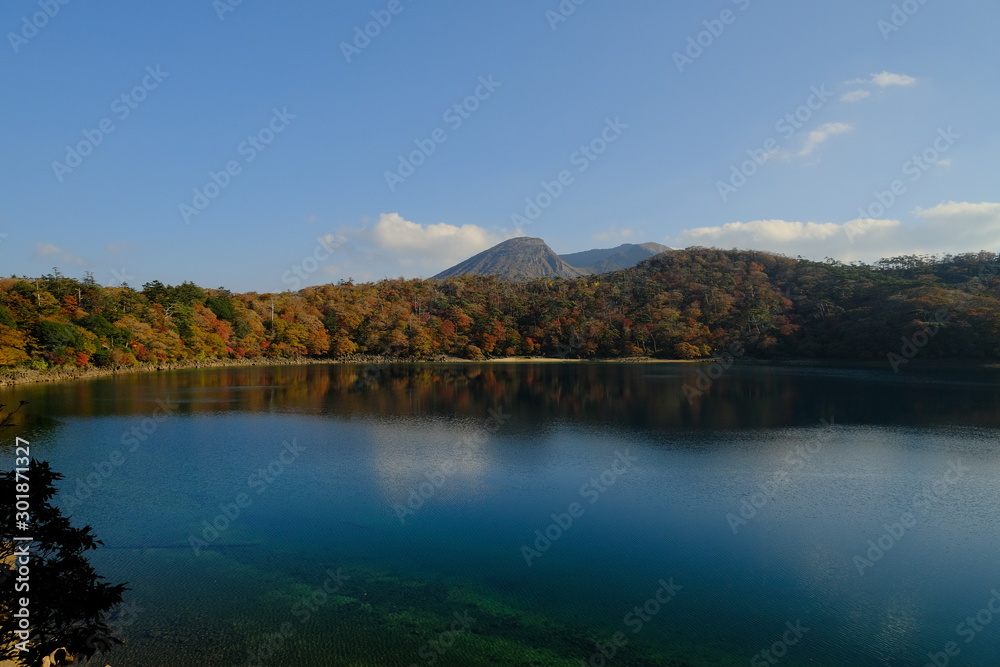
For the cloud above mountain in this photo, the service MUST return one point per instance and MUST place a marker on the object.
(949, 227)
(403, 247)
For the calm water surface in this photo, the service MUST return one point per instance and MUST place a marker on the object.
(525, 514)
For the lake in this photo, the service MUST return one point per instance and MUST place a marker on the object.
(537, 513)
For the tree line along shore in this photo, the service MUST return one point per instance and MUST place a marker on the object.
(692, 304)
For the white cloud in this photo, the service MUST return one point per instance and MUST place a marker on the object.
(951, 227)
(813, 240)
(433, 241)
(946, 162)
(777, 232)
(965, 223)
(886, 79)
(983, 212)
(395, 246)
(820, 135)
(613, 233)
(43, 250)
(332, 240)
(855, 96)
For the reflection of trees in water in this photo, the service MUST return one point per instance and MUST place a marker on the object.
(534, 393)
(16, 422)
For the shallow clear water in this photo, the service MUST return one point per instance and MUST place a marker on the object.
(413, 494)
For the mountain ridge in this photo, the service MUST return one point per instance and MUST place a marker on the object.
(603, 260)
(526, 258)
(519, 258)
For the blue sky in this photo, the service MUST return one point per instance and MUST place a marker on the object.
(251, 147)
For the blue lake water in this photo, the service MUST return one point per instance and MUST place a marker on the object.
(538, 514)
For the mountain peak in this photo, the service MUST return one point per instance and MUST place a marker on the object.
(519, 258)
(525, 258)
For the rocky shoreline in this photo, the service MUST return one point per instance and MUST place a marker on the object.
(17, 376)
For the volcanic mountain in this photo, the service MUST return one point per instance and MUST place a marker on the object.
(524, 258)
(520, 258)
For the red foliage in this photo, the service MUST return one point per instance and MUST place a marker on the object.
(141, 353)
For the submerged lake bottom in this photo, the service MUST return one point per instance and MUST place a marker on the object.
(537, 514)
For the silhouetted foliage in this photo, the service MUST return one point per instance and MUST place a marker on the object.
(67, 599)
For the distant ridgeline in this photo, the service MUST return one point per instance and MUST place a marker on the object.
(680, 304)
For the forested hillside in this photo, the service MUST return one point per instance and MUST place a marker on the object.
(683, 304)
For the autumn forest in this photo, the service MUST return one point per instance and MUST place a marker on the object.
(682, 304)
